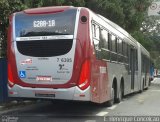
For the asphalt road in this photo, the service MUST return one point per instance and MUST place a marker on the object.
(146, 103)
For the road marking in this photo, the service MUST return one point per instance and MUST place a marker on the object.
(90, 121)
(121, 102)
(155, 90)
(156, 81)
(1, 107)
(141, 98)
(140, 101)
(112, 107)
(102, 113)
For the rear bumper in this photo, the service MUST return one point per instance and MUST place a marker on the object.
(73, 93)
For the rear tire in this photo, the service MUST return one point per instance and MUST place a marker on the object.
(142, 88)
(111, 102)
(120, 94)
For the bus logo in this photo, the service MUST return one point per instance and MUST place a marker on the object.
(61, 66)
(22, 74)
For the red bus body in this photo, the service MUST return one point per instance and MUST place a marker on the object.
(90, 79)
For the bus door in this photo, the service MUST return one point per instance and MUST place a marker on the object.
(132, 66)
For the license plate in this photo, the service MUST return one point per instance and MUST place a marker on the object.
(44, 95)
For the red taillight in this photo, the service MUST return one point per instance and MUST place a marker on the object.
(84, 80)
(10, 76)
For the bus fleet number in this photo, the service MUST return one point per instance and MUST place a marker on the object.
(43, 23)
(64, 59)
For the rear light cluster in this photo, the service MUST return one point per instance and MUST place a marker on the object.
(10, 76)
(84, 80)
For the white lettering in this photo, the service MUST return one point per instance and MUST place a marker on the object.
(44, 78)
(43, 23)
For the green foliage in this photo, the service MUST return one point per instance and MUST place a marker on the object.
(7, 8)
(40, 3)
(134, 11)
(144, 40)
(129, 14)
(110, 9)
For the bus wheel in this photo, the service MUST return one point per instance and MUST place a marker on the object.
(111, 102)
(120, 94)
(142, 87)
(149, 83)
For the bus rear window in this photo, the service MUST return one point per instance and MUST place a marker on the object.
(61, 23)
(44, 48)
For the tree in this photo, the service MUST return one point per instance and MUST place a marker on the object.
(39, 3)
(7, 8)
(135, 13)
(151, 29)
(110, 9)
(144, 40)
(129, 14)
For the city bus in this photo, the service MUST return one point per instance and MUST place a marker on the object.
(72, 53)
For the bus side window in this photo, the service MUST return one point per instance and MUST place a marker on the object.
(120, 49)
(113, 38)
(103, 39)
(105, 54)
(136, 57)
(124, 49)
(95, 33)
(109, 41)
(96, 40)
(113, 47)
(94, 30)
(127, 53)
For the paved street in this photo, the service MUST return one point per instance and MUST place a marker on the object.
(138, 104)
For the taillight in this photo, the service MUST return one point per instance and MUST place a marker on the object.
(84, 80)
(10, 76)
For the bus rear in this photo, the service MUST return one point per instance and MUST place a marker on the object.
(47, 57)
